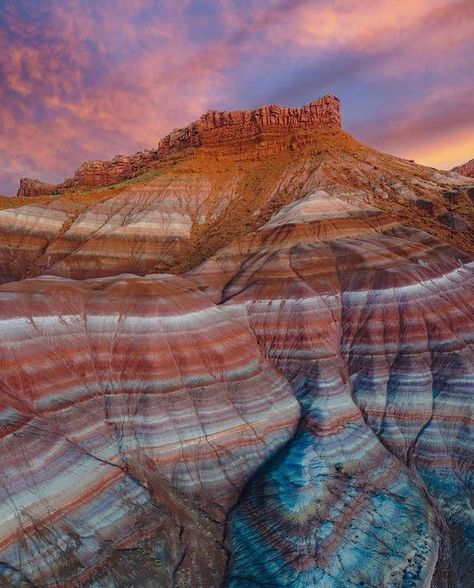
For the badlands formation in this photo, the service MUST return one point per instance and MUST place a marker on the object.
(466, 169)
(242, 358)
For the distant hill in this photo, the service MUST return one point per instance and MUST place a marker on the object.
(466, 169)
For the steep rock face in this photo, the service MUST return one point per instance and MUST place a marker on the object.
(216, 128)
(372, 324)
(466, 169)
(184, 210)
(33, 187)
(137, 410)
(213, 128)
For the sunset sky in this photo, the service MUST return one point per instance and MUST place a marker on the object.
(87, 79)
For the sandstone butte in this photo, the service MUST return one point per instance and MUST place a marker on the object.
(243, 358)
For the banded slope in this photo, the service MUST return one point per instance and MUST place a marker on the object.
(326, 339)
(465, 169)
(372, 323)
(220, 181)
(132, 412)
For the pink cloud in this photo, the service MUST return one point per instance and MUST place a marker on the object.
(83, 79)
(63, 102)
(437, 130)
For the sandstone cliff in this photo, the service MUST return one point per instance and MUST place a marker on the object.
(213, 128)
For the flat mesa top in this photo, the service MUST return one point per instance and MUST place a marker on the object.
(324, 111)
(212, 128)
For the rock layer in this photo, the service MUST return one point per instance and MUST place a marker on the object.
(137, 410)
(372, 324)
(178, 214)
(213, 128)
(295, 409)
(466, 169)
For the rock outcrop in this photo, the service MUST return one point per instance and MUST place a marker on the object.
(294, 409)
(213, 128)
(31, 187)
(92, 174)
(466, 169)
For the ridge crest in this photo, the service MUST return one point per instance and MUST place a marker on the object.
(213, 128)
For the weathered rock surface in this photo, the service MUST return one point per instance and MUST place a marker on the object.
(372, 324)
(466, 169)
(295, 409)
(179, 213)
(212, 129)
(133, 411)
(33, 187)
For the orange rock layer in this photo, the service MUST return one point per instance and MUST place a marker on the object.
(213, 129)
(184, 210)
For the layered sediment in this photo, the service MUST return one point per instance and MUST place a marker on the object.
(125, 431)
(214, 128)
(466, 169)
(293, 409)
(184, 210)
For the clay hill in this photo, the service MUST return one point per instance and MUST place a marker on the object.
(466, 169)
(244, 358)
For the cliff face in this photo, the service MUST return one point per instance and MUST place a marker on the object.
(213, 129)
(293, 409)
(217, 128)
(466, 169)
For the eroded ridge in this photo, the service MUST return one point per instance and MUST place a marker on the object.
(372, 324)
(132, 412)
(211, 129)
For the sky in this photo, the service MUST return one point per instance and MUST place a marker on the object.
(87, 79)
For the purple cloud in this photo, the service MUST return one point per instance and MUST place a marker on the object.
(82, 80)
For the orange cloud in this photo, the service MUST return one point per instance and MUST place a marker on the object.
(454, 148)
(437, 130)
(361, 23)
